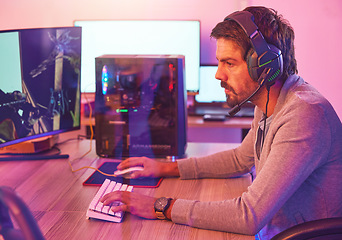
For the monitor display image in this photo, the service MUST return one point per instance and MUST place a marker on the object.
(210, 89)
(39, 83)
(143, 37)
(211, 99)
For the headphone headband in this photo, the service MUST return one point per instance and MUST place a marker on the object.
(246, 21)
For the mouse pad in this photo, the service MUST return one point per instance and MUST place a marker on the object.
(97, 178)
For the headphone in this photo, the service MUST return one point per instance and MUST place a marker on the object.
(264, 61)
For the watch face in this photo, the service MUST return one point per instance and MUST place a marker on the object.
(161, 203)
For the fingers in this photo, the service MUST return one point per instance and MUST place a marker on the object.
(151, 167)
(130, 162)
(112, 197)
(137, 204)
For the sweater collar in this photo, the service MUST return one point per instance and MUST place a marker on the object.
(291, 82)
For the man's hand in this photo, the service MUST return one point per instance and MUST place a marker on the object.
(152, 168)
(135, 203)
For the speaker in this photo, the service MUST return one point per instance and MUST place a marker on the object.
(262, 57)
(140, 107)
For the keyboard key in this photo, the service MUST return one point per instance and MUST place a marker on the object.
(98, 195)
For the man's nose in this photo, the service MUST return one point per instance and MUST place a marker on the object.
(219, 75)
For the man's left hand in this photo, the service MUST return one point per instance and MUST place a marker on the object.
(135, 203)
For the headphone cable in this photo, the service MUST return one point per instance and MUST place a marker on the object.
(265, 115)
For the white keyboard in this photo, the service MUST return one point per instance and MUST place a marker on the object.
(98, 210)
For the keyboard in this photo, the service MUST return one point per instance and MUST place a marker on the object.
(99, 211)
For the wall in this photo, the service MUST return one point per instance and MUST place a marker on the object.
(317, 25)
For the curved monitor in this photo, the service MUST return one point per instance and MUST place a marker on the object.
(144, 37)
(39, 83)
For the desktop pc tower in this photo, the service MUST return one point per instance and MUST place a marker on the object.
(140, 106)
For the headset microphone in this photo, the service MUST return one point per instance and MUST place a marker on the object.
(261, 81)
(237, 108)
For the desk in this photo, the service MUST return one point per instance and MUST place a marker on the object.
(232, 130)
(59, 201)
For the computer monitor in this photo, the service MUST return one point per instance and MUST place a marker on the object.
(145, 37)
(210, 90)
(39, 83)
(211, 99)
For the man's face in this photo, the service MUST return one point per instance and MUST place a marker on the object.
(233, 73)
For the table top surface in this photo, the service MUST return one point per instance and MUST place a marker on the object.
(59, 200)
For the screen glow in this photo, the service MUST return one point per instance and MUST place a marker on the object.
(210, 88)
(140, 37)
(10, 68)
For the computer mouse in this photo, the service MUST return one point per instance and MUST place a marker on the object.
(127, 172)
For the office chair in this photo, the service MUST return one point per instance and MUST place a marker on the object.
(11, 202)
(328, 229)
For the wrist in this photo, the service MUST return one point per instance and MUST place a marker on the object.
(169, 210)
(170, 169)
(162, 208)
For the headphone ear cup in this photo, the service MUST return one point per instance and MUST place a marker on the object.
(252, 62)
(276, 65)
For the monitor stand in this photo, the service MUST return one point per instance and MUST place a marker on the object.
(31, 150)
(32, 146)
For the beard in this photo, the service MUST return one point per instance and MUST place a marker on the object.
(231, 99)
(231, 102)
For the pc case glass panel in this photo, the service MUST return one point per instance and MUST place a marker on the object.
(136, 106)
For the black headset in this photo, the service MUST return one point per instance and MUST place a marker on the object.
(264, 61)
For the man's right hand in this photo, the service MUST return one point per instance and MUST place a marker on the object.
(152, 168)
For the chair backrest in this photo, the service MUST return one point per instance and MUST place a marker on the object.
(329, 228)
(9, 200)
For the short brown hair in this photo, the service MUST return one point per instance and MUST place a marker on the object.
(275, 29)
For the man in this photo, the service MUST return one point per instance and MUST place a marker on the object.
(295, 142)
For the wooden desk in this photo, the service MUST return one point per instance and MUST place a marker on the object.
(235, 122)
(59, 201)
(232, 130)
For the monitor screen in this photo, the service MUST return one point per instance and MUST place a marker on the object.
(141, 38)
(210, 89)
(39, 83)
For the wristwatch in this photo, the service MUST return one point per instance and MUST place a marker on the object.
(160, 206)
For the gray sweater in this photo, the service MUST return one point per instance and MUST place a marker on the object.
(298, 174)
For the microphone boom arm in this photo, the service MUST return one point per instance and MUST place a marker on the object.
(261, 82)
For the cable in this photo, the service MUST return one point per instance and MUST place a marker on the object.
(265, 116)
(91, 126)
(89, 167)
(91, 146)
